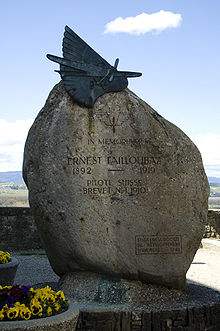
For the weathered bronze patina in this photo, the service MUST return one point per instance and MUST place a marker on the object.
(86, 75)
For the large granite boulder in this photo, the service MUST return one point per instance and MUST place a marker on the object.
(115, 189)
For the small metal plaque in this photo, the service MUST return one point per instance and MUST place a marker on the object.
(158, 244)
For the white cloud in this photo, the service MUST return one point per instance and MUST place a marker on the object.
(143, 23)
(12, 140)
(209, 146)
(213, 170)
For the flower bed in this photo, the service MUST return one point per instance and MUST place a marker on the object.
(5, 257)
(24, 303)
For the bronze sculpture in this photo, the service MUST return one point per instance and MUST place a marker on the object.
(85, 74)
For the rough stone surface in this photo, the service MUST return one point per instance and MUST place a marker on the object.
(115, 189)
(90, 291)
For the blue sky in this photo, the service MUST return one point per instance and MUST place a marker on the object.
(180, 65)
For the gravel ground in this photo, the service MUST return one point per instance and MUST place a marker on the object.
(34, 268)
(205, 269)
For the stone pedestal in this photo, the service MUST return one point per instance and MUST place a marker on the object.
(110, 304)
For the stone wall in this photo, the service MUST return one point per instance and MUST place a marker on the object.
(18, 230)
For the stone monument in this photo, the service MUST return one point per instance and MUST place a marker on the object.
(115, 188)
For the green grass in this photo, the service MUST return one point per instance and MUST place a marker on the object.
(214, 199)
(214, 203)
(215, 188)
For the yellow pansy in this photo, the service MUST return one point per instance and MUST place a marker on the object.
(57, 306)
(7, 287)
(47, 288)
(36, 308)
(4, 257)
(18, 304)
(12, 313)
(1, 314)
(51, 298)
(25, 313)
(49, 311)
(60, 295)
(5, 307)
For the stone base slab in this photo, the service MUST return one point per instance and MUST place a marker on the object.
(111, 304)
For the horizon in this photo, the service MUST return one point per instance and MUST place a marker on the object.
(169, 43)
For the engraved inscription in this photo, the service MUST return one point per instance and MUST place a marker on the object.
(125, 160)
(158, 244)
(106, 186)
(84, 164)
(94, 187)
(112, 121)
(118, 141)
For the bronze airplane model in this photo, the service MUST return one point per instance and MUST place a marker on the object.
(85, 74)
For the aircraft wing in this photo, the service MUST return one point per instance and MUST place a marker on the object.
(68, 64)
(74, 48)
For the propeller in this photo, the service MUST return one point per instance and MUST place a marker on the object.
(115, 68)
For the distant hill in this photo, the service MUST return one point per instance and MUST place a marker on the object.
(16, 177)
(11, 177)
(214, 180)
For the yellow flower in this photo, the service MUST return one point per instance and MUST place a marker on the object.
(60, 295)
(5, 308)
(36, 308)
(51, 298)
(7, 287)
(12, 313)
(49, 311)
(20, 308)
(43, 297)
(57, 306)
(4, 257)
(25, 313)
(1, 314)
(47, 288)
(7, 254)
